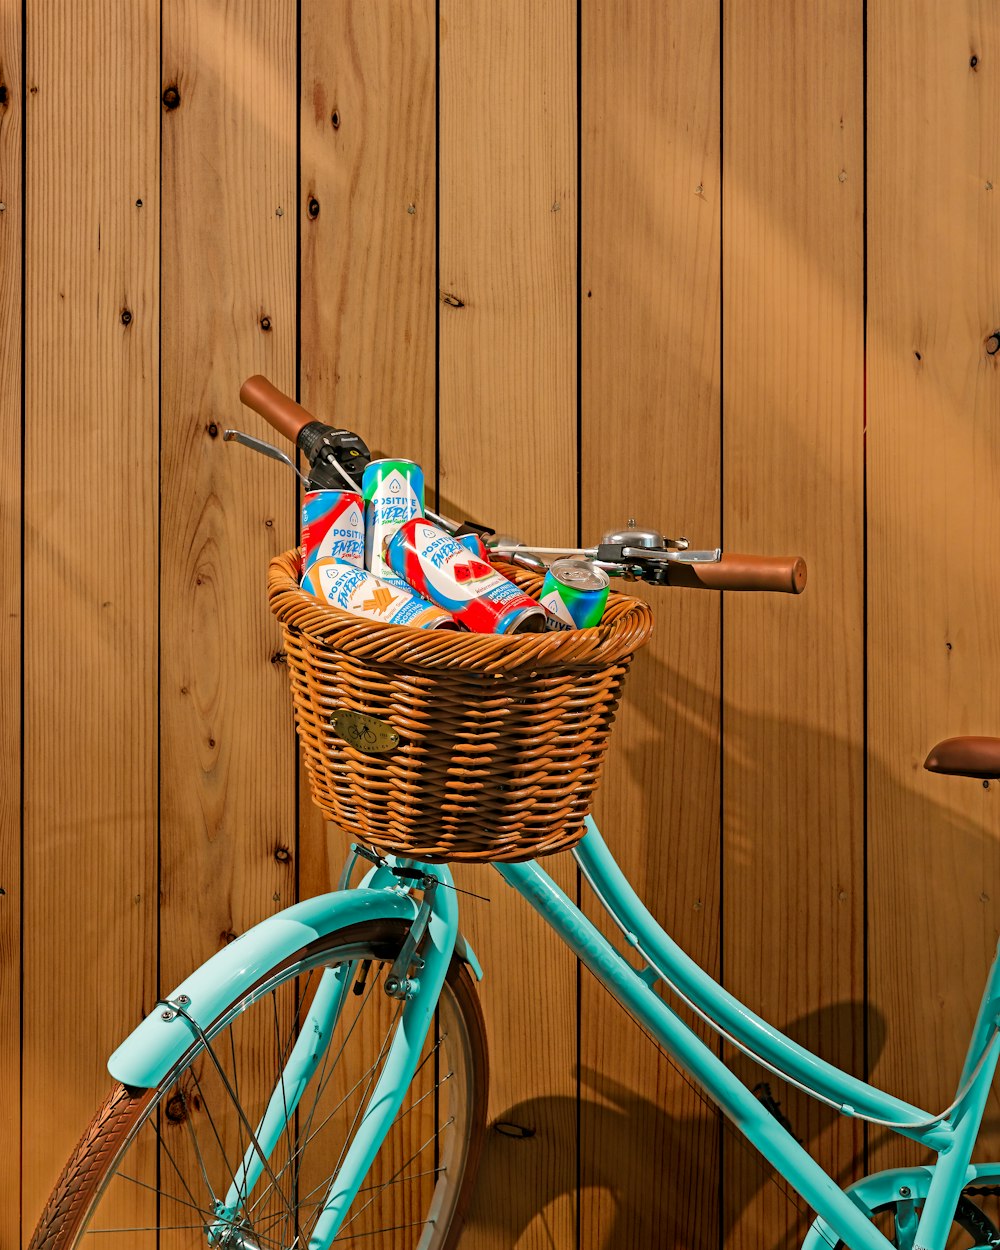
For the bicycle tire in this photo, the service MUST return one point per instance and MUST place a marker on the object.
(143, 1128)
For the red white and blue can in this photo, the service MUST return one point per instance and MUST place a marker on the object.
(575, 592)
(450, 575)
(361, 593)
(333, 527)
(393, 492)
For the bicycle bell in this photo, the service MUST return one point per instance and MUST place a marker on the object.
(634, 536)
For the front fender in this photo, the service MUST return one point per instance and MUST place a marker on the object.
(152, 1050)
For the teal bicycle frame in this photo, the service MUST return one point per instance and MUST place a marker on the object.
(190, 1014)
(843, 1214)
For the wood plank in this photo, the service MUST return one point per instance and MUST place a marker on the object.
(230, 203)
(11, 245)
(793, 714)
(650, 209)
(368, 268)
(934, 584)
(90, 594)
(228, 773)
(507, 439)
(368, 308)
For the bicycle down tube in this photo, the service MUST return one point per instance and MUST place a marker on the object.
(952, 1136)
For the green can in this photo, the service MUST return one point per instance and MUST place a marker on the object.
(393, 492)
(574, 593)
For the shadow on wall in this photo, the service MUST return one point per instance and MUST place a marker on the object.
(626, 1135)
(657, 1208)
(944, 867)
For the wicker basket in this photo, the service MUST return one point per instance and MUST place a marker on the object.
(466, 747)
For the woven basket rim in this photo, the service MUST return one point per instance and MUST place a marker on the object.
(628, 624)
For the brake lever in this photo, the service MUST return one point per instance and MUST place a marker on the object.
(617, 559)
(265, 449)
(656, 555)
(342, 479)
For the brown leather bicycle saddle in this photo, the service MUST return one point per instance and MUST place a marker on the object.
(966, 757)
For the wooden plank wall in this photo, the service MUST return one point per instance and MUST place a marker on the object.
(91, 546)
(727, 270)
(933, 462)
(793, 671)
(11, 246)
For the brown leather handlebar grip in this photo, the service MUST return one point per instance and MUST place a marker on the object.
(786, 574)
(277, 408)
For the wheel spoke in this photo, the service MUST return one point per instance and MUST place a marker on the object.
(362, 1105)
(166, 1150)
(314, 1134)
(419, 1151)
(324, 1077)
(134, 1180)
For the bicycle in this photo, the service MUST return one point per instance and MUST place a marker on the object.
(323, 1079)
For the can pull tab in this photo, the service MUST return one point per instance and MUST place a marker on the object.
(265, 449)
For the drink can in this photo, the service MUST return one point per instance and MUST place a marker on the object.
(475, 543)
(393, 492)
(450, 575)
(361, 593)
(575, 592)
(333, 527)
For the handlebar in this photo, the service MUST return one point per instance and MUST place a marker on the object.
(277, 408)
(784, 574)
(336, 456)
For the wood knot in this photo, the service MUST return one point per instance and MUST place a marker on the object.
(312, 208)
(171, 97)
(176, 1110)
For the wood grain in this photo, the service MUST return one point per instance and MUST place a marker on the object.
(368, 281)
(90, 559)
(368, 306)
(762, 424)
(793, 715)
(11, 627)
(507, 439)
(227, 785)
(650, 213)
(934, 484)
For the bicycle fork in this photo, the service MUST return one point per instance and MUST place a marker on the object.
(427, 953)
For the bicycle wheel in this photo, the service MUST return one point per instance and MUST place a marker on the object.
(155, 1166)
(970, 1226)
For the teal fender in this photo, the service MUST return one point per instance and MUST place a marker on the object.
(150, 1052)
(894, 1185)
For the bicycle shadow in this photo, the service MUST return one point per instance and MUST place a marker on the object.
(781, 892)
(626, 1199)
(946, 865)
(625, 1195)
